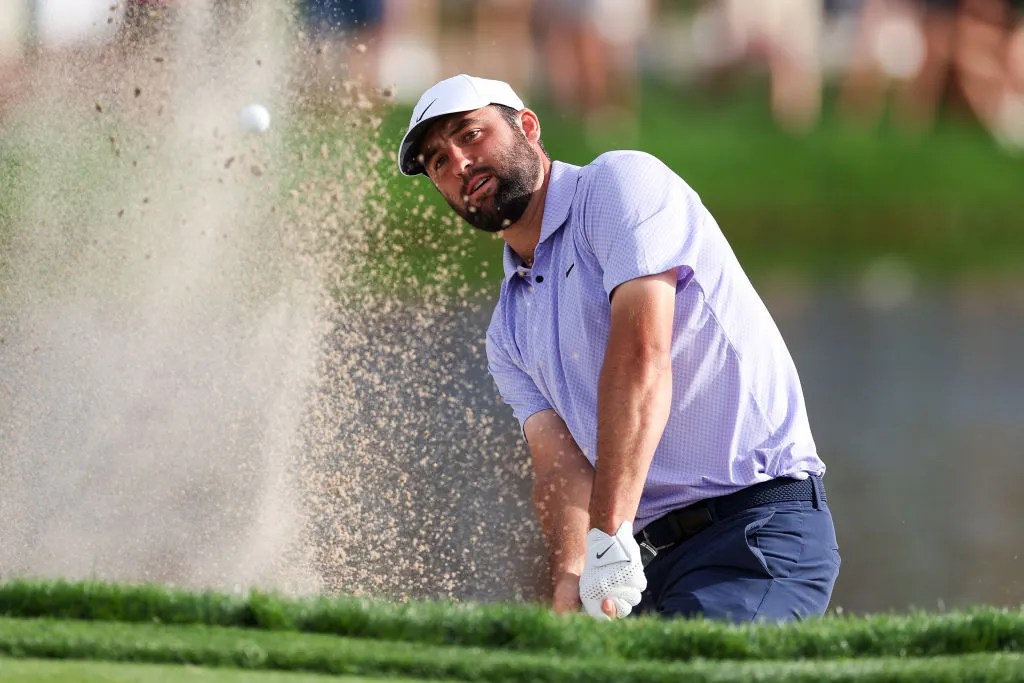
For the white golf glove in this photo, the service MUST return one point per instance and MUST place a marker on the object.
(613, 570)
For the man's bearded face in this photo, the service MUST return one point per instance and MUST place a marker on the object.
(515, 173)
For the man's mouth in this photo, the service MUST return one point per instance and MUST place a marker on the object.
(477, 186)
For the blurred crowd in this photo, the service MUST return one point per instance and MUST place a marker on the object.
(906, 60)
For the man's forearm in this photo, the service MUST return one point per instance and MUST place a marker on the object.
(563, 479)
(561, 500)
(634, 396)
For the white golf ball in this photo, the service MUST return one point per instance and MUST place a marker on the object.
(254, 118)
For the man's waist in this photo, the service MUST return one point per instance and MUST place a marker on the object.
(687, 521)
(712, 476)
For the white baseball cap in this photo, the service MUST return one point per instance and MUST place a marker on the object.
(450, 96)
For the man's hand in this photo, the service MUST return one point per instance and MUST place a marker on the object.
(613, 575)
(566, 595)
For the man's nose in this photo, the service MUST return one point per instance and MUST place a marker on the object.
(460, 162)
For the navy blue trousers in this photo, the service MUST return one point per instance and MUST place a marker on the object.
(775, 562)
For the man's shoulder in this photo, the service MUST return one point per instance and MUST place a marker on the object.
(626, 160)
(615, 177)
(614, 168)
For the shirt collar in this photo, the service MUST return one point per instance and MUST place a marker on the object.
(557, 202)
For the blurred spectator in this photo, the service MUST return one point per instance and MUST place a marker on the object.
(928, 52)
(990, 63)
(353, 17)
(783, 35)
(903, 47)
(345, 37)
(590, 57)
(411, 51)
(919, 100)
(502, 28)
(1013, 106)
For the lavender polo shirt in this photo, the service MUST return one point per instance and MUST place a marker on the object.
(738, 414)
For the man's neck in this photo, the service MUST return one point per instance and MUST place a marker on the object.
(523, 235)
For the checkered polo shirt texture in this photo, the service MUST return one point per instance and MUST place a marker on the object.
(738, 415)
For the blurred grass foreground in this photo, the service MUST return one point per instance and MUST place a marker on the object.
(418, 640)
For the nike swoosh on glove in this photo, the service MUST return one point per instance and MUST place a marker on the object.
(612, 569)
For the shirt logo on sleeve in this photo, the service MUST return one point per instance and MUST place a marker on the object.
(570, 269)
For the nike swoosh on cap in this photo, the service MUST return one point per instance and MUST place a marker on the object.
(424, 112)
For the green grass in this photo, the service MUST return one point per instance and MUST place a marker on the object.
(525, 628)
(85, 671)
(429, 640)
(255, 650)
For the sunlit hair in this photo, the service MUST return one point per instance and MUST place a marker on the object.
(510, 114)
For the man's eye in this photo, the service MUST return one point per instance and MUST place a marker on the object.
(472, 134)
(440, 162)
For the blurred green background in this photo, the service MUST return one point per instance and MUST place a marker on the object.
(821, 205)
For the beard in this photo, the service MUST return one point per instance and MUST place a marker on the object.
(515, 177)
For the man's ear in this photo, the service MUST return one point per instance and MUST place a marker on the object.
(531, 124)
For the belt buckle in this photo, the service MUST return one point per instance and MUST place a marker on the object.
(704, 519)
(648, 551)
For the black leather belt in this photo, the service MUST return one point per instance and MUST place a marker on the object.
(681, 524)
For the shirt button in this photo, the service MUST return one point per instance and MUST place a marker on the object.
(540, 278)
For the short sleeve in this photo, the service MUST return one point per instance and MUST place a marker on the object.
(516, 387)
(640, 219)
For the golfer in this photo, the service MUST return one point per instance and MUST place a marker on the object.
(675, 471)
